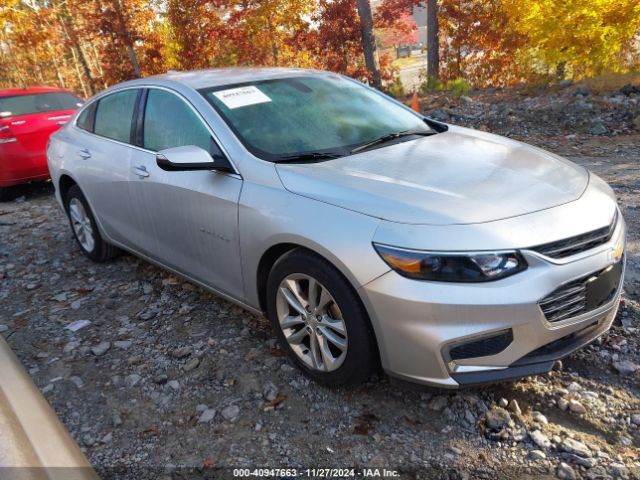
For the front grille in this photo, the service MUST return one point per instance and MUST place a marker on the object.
(579, 243)
(582, 295)
(483, 347)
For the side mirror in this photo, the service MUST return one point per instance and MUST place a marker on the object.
(191, 158)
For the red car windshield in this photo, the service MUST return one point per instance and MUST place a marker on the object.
(36, 103)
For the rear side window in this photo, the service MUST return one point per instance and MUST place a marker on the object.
(87, 117)
(114, 115)
(169, 122)
(37, 103)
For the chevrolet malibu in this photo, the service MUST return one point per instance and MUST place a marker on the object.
(369, 234)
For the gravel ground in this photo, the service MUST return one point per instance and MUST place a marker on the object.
(166, 374)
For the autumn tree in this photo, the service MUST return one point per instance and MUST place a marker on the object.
(368, 41)
(576, 37)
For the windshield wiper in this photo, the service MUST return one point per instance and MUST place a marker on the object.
(308, 157)
(392, 136)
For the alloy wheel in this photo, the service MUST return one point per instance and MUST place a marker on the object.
(312, 322)
(81, 224)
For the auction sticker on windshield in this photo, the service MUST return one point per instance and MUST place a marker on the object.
(241, 97)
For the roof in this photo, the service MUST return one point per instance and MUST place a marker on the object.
(12, 92)
(198, 79)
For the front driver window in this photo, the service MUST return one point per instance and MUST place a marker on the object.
(169, 122)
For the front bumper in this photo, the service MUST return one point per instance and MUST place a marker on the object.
(418, 322)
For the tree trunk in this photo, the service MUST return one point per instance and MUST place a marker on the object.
(433, 46)
(369, 42)
(133, 58)
(68, 29)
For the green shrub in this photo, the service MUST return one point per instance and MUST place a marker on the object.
(459, 87)
(429, 83)
(396, 89)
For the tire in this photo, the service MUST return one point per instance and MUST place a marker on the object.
(336, 309)
(84, 227)
(5, 194)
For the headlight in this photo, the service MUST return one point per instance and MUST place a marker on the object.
(455, 267)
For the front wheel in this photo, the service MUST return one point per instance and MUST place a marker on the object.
(85, 229)
(319, 320)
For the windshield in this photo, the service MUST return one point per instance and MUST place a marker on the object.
(37, 103)
(285, 117)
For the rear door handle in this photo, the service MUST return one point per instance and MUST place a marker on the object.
(141, 171)
(84, 154)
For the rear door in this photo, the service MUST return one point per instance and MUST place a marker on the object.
(193, 215)
(102, 153)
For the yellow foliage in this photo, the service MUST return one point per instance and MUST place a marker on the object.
(577, 37)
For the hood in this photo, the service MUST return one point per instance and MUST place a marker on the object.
(457, 177)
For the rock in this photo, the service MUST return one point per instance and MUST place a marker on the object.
(133, 379)
(174, 384)
(438, 403)
(88, 440)
(576, 407)
(160, 379)
(599, 129)
(635, 419)
(503, 403)
(77, 381)
(583, 462)
(191, 364)
(540, 439)
(514, 407)
(583, 90)
(269, 392)
(539, 417)
(574, 387)
(573, 446)
(117, 420)
(207, 415)
(625, 367)
(181, 352)
(564, 471)
(123, 344)
(630, 89)
(107, 438)
(231, 412)
(618, 470)
(536, 455)
(101, 348)
(497, 418)
(3, 328)
(563, 404)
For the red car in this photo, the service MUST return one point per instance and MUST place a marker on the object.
(27, 117)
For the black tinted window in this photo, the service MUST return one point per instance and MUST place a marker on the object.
(169, 122)
(41, 102)
(87, 117)
(114, 115)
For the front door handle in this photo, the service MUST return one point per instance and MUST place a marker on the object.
(84, 153)
(141, 171)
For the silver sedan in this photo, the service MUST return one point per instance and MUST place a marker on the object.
(370, 235)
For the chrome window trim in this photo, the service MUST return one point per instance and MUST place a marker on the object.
(235, 173)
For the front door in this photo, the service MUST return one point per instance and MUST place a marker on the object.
(193, 215)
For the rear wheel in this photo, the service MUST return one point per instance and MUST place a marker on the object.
(319, 320)
(5, 194)
(84, 228)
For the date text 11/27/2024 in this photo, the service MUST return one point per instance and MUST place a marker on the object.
(316, 472)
